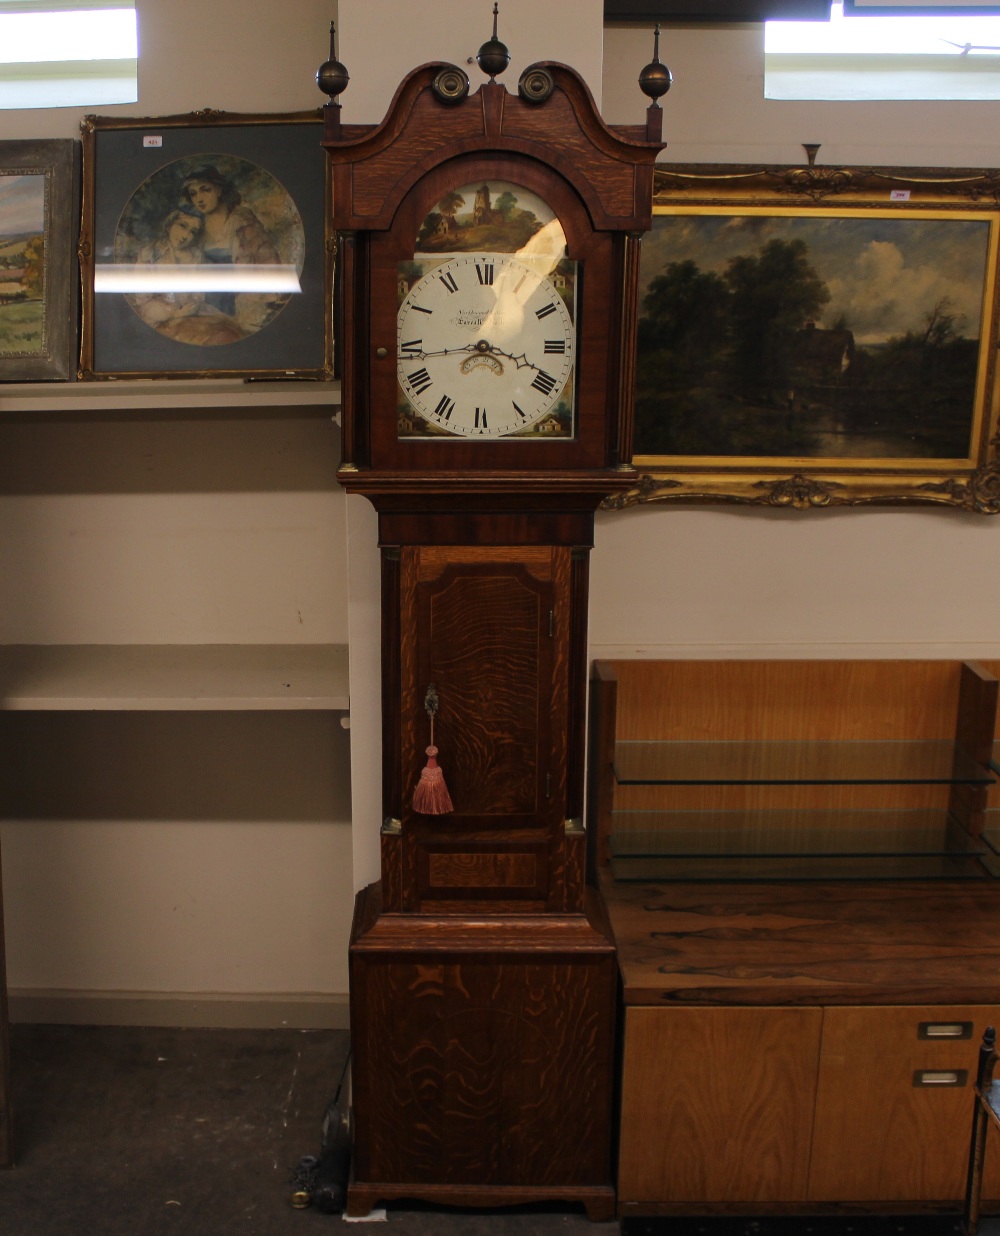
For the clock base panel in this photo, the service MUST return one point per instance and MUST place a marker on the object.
(482, 1058)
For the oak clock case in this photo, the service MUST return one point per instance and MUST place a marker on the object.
(489, 257)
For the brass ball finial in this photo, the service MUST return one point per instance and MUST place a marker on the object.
(331, 76)
(655, 79)
(494, 56)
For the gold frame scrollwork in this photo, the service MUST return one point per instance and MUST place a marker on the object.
(809, 481)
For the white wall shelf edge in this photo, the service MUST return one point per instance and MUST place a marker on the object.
(136, 394)
(132, 677)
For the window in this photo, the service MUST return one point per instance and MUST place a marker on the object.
(67, 53)
(870, 54)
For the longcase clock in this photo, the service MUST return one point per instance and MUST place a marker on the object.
(488, 257)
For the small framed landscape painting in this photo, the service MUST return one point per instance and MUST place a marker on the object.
(39, 219)
(819, 336)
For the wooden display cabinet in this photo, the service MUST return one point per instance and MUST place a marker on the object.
(806, 980)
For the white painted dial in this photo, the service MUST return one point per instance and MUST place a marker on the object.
(486, 348)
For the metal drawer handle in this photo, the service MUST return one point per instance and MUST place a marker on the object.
(940, 1077)
(944, 1030)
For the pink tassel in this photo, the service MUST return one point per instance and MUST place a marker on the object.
(430, 795)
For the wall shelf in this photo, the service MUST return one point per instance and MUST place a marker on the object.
(37, 677)
(132, 395)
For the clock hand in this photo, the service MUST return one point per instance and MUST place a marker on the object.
(420, 354)
(521, 361)
(482, 345)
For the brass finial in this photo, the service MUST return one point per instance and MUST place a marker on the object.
(655, 79)
(494, 56)
(331, 76)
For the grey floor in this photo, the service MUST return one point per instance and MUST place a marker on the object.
(200, 1133)
(191, 1133)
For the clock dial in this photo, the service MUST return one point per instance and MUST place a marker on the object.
(486, 348)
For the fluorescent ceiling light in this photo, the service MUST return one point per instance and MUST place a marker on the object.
(152, 278)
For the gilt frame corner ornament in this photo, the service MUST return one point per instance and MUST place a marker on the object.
(214, 198)
(817, 337)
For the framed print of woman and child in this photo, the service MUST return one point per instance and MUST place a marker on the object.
(204, 247)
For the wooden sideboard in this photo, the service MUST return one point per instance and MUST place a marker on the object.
(803, 996)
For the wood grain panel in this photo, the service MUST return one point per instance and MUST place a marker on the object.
(906, 942)
(787, 699)
(481, 871)
(483, 1051)
(878, 1137)
(484, 649)
(717, 1104)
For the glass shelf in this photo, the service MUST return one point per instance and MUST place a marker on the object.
(791, 845)
(814, 762)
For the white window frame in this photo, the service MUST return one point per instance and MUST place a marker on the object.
(53, 66)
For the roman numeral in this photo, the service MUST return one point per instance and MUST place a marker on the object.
(544, 311)
(553, 345)
(520, 411)
(417, 345)
(419, 380)
(544, 382)
(485, 273)
(481, 419)
(449, 281)
(445, 408)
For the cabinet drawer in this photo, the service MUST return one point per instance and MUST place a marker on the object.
(894, 1103)
(717, 1103)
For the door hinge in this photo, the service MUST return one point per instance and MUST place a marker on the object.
(552, 623)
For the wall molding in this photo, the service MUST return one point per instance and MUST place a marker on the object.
(246, 1011)
(915, 651)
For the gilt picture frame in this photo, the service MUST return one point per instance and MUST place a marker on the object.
(39, 221)
(812, 337)
(205, 247)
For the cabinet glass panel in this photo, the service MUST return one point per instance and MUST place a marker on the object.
(790, 845)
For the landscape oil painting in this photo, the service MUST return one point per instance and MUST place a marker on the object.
(22, 265)
(820, 335)
(38, 213)
(815, 336)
